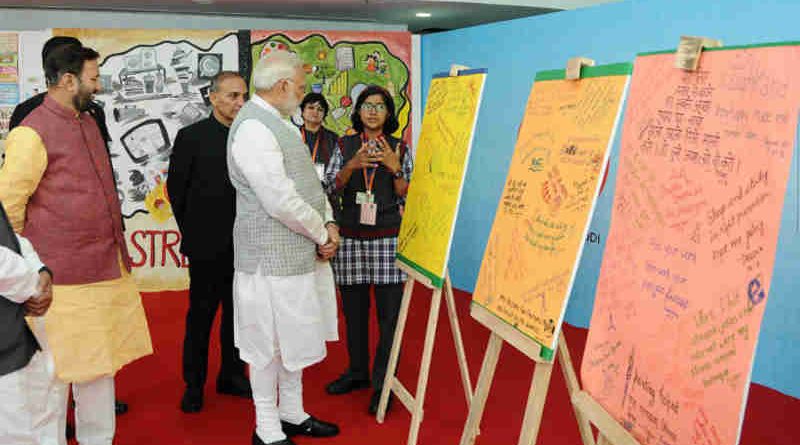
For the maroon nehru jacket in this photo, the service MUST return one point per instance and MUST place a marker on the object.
(73, 218)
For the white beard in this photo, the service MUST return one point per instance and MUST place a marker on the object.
(292, 107)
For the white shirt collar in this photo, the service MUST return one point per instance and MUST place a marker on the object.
(258, 100)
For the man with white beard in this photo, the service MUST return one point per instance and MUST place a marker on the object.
(284, 236)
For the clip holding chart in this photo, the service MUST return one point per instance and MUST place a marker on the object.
(455, 69)
(687, 56)
(574, 66)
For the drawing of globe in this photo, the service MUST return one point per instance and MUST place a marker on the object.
(210, 66)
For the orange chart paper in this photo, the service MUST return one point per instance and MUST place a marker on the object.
(544, 212)
(703, 170)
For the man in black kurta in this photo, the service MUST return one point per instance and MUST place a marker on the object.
(204, 204)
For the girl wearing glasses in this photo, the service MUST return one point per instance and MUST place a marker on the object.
(370, 170)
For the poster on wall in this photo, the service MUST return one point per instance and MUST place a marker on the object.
(341, 64)
(9, 50)
(152, 86)
(703, 170)
(9, 76)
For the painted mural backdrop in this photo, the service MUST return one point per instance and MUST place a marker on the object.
(156, 81)
(339, 65)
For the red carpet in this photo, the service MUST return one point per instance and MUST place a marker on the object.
(153, 387)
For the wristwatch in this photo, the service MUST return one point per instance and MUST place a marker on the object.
(46, 269)
(398, 174)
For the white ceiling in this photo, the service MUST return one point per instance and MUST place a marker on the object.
(444, 14)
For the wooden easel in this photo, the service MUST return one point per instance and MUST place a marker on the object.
(392, 384)
(414, 404)
(501, 331)
(609, 430)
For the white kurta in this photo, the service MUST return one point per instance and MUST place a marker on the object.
(19, 275)
(294, 315)
(22, 399)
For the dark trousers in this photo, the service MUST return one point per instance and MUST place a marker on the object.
(355, 303)
(211, 284)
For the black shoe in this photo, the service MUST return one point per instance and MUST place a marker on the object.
(192, 401)
(312, 427)
(120, 408)
(70, 432)
(375, 400)
(235, 385)
(257, 441)
(346, 383)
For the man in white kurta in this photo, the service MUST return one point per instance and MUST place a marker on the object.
(25, 284)
(282, 319)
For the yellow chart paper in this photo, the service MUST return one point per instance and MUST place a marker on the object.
(439, 169)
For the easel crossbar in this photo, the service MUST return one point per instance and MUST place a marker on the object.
(610, 430)
(414, 403)
(403, 394)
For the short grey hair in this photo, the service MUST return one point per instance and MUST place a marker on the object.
(273, 67)
(221, 77)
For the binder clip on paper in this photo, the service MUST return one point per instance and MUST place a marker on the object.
(687, 57)
(455, 69)
(574, 66)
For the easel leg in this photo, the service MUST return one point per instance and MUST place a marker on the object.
(388, 381)
(457, 339)
(535, 406)
(573, 386)
(482, 389)
(425, 367)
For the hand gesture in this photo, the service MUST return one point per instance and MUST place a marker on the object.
(38, 306)
(363, 158)
(388, 156)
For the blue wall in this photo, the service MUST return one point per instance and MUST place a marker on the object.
(514, 51)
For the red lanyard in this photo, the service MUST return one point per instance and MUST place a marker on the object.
(316, 144)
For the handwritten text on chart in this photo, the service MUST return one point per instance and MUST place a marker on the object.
(704, 162)
(441, 159)
(541, 220)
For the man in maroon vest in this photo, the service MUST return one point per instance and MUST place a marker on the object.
(58, 187)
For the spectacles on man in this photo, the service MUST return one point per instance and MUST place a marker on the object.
(378, 108)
